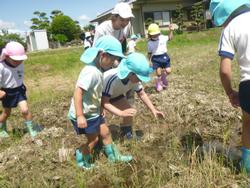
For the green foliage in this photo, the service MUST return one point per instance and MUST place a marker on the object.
(197, 14)
(41, 21)
(179, 18)
(7, 37)
(63, 24)
(55, 13)
(89, 27)
(60, 38)
(148, 22)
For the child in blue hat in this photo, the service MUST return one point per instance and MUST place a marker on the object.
(127, 76)
(85, 110)
(234, 16)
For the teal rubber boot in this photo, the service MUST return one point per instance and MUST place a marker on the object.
(114, 155)
(29, 125)
(245, 160)
(83, 160)
(3, 130)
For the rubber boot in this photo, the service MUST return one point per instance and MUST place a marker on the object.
(126, 132)
(29, 125)
(158, 86)
(83, 160)
(164, 80)
(245, 160)
(3, 130)
(114, 155)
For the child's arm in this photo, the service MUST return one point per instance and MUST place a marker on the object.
(78, 95)
(2, 94)
(171, 32)
(144, 97)
(130, 112)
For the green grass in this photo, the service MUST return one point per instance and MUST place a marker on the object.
(196, 108)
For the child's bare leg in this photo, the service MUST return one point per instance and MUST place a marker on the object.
(25, 110)
(110, 149)
(158, 83)
(127, 123)
(89, 146)
(5, 114)
(164, 74)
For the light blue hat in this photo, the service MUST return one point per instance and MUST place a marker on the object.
(108, 44)
(222, 9)
(137, 64)
(134, 36)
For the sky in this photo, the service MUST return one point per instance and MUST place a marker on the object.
(15, 15)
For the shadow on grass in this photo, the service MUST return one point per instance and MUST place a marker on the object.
(229, 156)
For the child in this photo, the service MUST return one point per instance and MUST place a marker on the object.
(128, 75)
(132, 44)
(85, 109)
(13, 91)
(157, 53)
(235, 38)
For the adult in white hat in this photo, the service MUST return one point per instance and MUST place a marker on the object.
(118, 26)
(234, 16)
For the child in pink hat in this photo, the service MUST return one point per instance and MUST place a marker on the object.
(12, 89)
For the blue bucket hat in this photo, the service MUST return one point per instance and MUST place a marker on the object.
(108, 44)
(137, 64)
(134, 36)
(222, 9)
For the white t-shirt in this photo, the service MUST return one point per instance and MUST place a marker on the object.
(159, 46)
(131, 46)
(91, 81)
(87, 44)
(11, 77)
(114, 87)
(106, 28)
(235, 38)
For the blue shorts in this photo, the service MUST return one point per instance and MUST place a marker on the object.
(244, 96)
(92, 128)
(14, 96)
(160, 61)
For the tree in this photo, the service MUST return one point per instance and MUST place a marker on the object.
(62, 24)
(7, 37)
(89, 27)
(41, 22)
(55, 13)
(179, 18)
(197, 14)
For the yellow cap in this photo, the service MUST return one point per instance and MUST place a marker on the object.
(153, 29)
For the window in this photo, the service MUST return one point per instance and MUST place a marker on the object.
(161, 18)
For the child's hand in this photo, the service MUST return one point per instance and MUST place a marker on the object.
(81, 122)
(130, 112)
(234, 99)
(171, 27)
(2, 94)
(158, 114)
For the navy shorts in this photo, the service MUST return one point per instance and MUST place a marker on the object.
(160, 61)
(92, 128)
(244, 95)
(14, 96)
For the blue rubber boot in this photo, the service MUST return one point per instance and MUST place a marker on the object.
(114, 155)
(245, 160)
(29, 125)
(3, 130)
(83, 160)
(127, 133)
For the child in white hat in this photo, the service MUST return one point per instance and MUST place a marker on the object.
(13, 91)
(234, 16)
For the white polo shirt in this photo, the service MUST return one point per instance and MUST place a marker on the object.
(235, 38)
(106, 28)
(159, 46)
(114, 87)
(11, 77)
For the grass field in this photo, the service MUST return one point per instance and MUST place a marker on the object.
(174, 152)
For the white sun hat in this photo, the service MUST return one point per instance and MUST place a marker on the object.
(123, 10)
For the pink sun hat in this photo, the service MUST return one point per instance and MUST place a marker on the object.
(15, 51)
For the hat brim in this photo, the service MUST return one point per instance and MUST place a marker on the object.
(116, 53)
(155, 33)
(19, 57)
(89, 55)
(126, 15)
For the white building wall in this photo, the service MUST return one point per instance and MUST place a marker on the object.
(41, 39)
